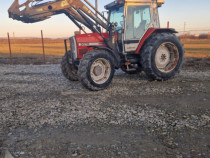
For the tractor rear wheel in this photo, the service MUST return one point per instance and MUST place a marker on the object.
(162, 56)
(69, 70)
(96, 70)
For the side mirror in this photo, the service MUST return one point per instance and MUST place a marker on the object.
(114, 24)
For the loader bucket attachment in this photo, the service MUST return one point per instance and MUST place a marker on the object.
(26, 13)
(79, 12)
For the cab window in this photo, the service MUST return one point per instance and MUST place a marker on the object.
(137, 22)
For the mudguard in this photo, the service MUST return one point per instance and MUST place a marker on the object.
(115, 56)
(150, 32)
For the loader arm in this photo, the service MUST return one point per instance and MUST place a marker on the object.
(78, 12)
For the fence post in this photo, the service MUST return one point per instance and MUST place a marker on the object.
(168, 24)
(43, 47)
(10, 51)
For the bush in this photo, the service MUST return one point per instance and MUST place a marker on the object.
(203, 36)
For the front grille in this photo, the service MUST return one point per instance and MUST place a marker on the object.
(73, 46)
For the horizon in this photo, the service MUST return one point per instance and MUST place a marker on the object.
(176, 12)
(54, 38)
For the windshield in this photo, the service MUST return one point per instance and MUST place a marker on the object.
(117, 16)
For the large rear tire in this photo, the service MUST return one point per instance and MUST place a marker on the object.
(69, 70)
(96, 70)
(162, 56)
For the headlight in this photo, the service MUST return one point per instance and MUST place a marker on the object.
(73, 46)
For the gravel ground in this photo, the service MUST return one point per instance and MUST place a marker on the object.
(44, 115)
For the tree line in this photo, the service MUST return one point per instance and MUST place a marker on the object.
(200, 36)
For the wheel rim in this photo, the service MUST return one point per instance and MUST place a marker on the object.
(100, 70)
(166, 57)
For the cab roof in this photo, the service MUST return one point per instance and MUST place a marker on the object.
(117, 3)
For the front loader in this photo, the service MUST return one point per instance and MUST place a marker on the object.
(130, 39)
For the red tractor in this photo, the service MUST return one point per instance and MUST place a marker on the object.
(130, 39)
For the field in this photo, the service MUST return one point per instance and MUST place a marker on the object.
(33, 46)
(197, 48)
(29, 51)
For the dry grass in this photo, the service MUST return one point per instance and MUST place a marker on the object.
(197, 48)
(55, 47)
(33, 46)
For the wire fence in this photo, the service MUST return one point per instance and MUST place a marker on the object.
(31, 50)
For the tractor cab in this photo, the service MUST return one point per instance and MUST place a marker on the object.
(132, 19)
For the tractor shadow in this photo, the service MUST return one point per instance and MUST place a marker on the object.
(131, 77)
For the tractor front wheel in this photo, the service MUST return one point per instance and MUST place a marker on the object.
(96, 70)
(69, 70)
(162, 56)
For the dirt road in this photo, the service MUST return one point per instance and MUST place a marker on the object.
(44, 115)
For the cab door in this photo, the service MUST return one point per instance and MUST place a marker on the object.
(117, 16)
(138, 20)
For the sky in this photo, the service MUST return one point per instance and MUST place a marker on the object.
(194, 13)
